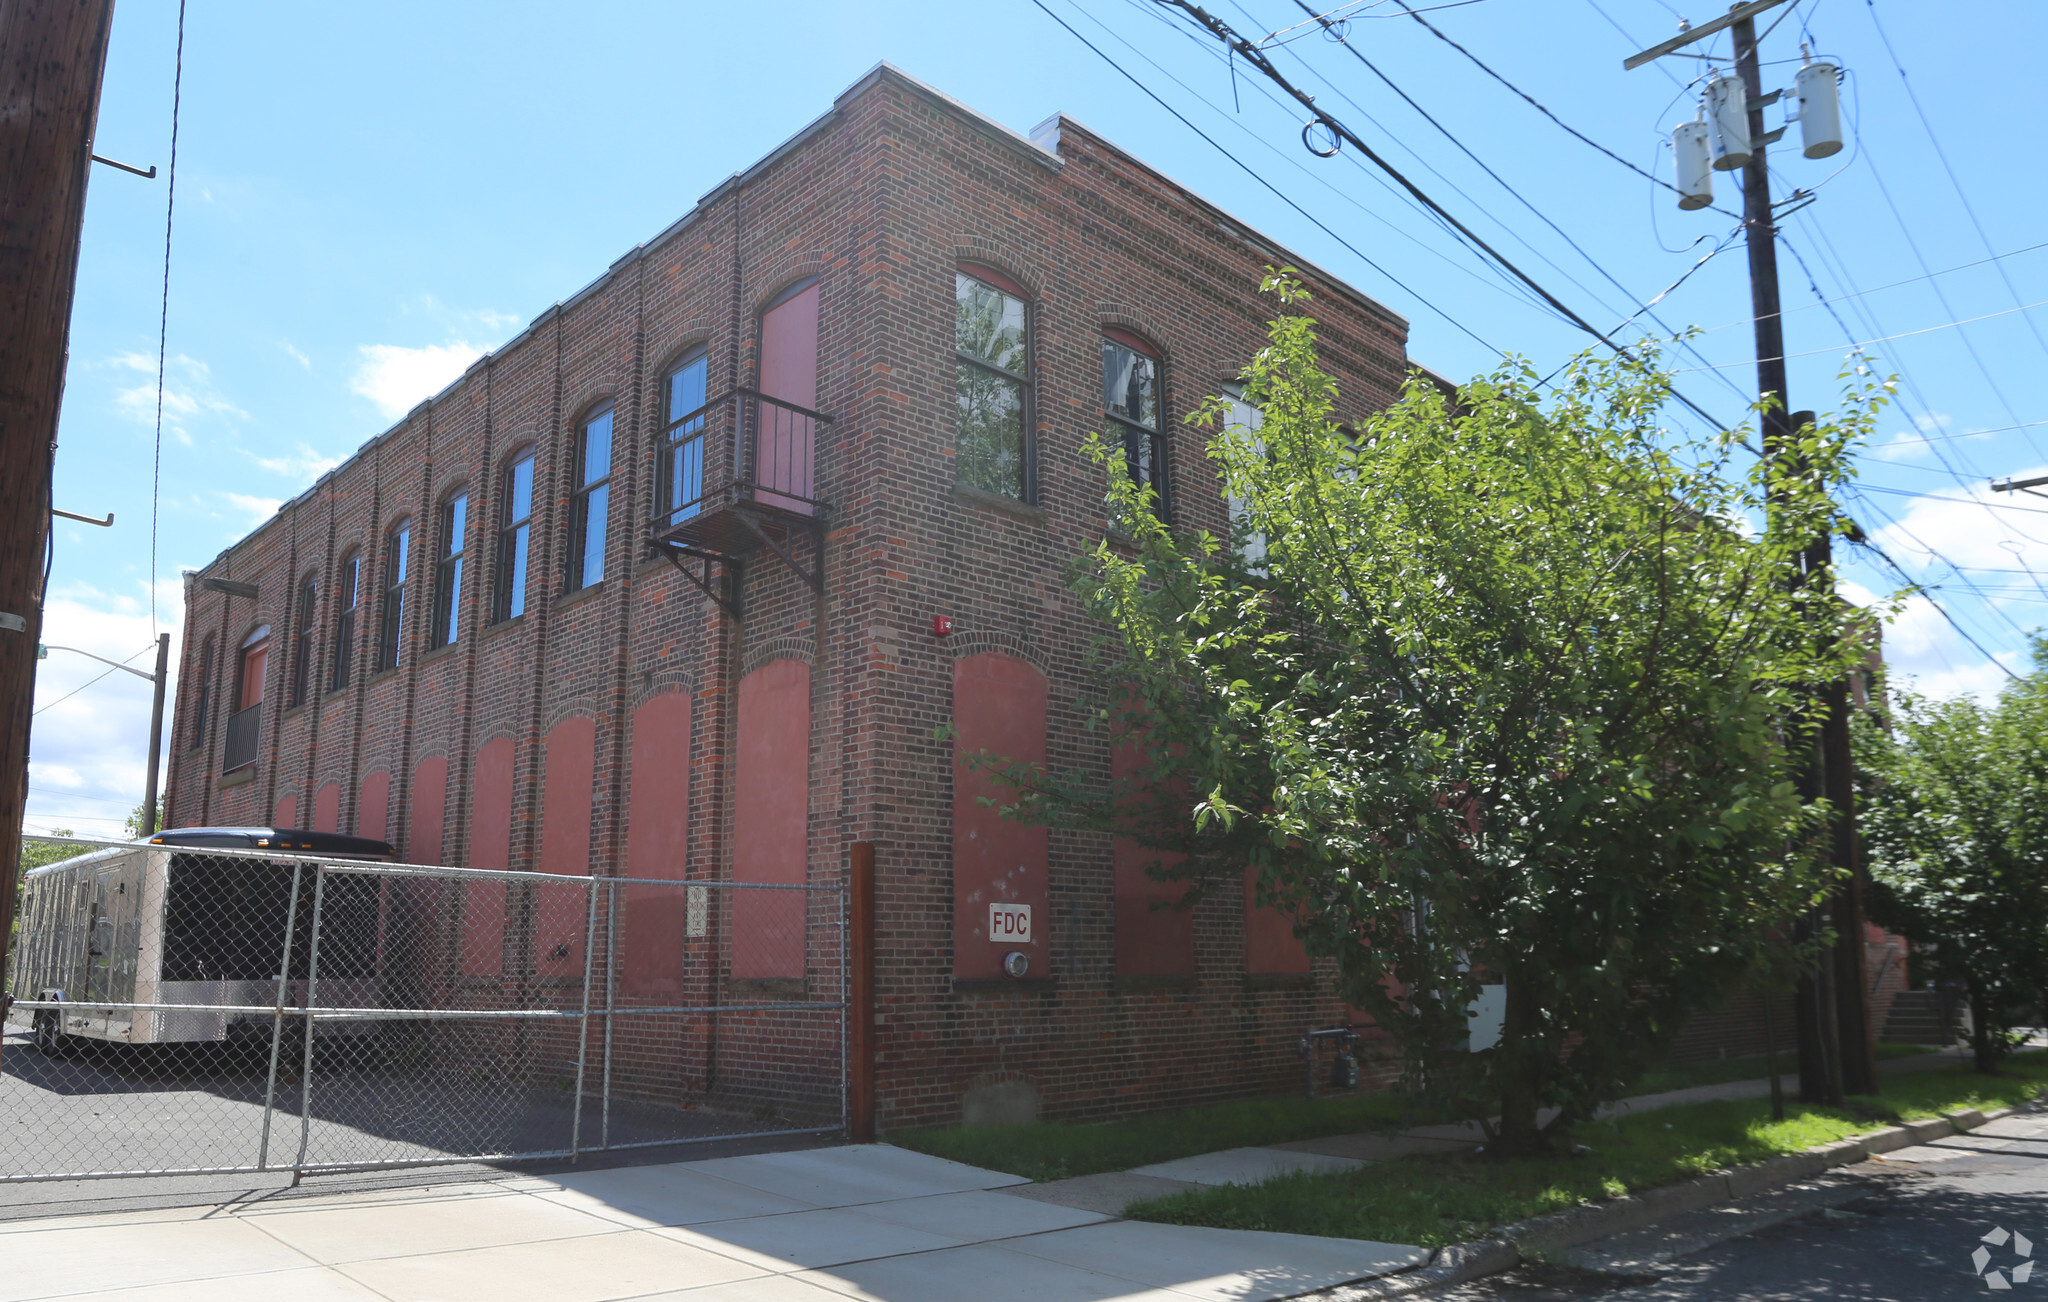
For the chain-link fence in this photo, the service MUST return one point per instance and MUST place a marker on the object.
(179, 1010)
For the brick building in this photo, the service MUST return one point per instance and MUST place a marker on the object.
(849, 390)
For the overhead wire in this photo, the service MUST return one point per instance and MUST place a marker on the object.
(1254, 174)
(1258, 60)
(90, 681)
(163, 332)
(1926, 124)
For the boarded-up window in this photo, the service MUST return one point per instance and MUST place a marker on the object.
(771, 810)
(1154, 937)
(998, 707)
(560, 920)
(490, 846)
(658, 921)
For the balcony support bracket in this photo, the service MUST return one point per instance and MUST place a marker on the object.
(723, 588)
(816, 580)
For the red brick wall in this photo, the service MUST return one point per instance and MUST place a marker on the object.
(880, 200)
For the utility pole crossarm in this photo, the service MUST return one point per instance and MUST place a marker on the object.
(2018, 485)
(1740, 13)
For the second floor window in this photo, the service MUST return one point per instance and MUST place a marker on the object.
(303, 640)
(391, 632)
(991, 386)
(682, 441)
(347, 592)
(515, 525)
(448, 571)
(593, 497)
(204, 705)
(1130, 399)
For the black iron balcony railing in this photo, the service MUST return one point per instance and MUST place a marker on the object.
(244, 726)
(739, 473)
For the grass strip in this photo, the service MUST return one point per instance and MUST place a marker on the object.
(1049, 1150)
(1432, 1200)
(1755, 1067)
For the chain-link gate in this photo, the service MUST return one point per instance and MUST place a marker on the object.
(202, 1011)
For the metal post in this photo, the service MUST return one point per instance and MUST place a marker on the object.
(306, 1059)
(857, 946)
(156, 733)
(284, 968)
(611, 997)
(583, 1022)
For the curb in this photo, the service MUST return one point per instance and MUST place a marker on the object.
(1503, 1250)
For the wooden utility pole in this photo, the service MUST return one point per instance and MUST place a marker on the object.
(1835, 1050)
(52, 54)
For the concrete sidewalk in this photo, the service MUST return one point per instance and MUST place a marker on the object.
(815, 1225)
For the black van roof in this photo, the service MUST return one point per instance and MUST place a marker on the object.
(275, 838)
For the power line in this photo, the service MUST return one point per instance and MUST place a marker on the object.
(1825, 301)
(1257, 59)
(1860, 343)
(1570, 130)
(1253, 173)
(89, 682)
(1946, 166)
(1968, 433)
(1939, 609)
(163, 326)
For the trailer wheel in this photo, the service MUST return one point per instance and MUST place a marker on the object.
(50, 1039)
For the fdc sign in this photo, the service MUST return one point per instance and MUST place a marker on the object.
(1010, 923)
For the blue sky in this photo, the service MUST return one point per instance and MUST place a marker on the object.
(370, 195)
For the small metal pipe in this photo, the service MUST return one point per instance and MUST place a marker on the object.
(583, 1018)
(306, 1060)
(284, 968)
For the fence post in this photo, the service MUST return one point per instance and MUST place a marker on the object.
(611, 1000)
(284, 969)
(583, 1018)
(306, 1063)
(859, 945)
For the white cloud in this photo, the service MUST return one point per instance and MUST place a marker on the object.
(258, 509)
(295, 354)
(397, 379)
(89, 750)
(304, 463)
(188, 391)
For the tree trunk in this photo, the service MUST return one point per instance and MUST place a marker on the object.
(1983, 1051)
(1520, 1064)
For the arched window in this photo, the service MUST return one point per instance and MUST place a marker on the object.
(454, 527)
(391, 631)
(679, 486)
(590, 508)
(1131, 402)
(515, 519)
(302, 639)
(992, 384)
(252, 667)
(203, 703)
(347, 594)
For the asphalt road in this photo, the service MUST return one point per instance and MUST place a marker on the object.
(1901, 1229)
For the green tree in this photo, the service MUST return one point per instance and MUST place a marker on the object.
(1513, 694)
(1955, 825)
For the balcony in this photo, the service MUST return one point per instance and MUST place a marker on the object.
(741, 473)
(244, 727)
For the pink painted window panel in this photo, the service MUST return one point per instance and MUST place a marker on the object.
(1270, 946)
(998, 706)
(490, 847)
(1153, 937)
(372, 813)
(429, 809)
(561, 918)
(287, 815)
(654, 938)
(771, 819)
(785, 443)
(327, 808)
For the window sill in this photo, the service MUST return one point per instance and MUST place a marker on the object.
(241, 777)
(1141, 983)
(439, 652)
(769, 990)
(1279, 981)
(1009, 506)
(1005, 985)
(503, 626)
(579, 596)
(381, 675)
(294, 711)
